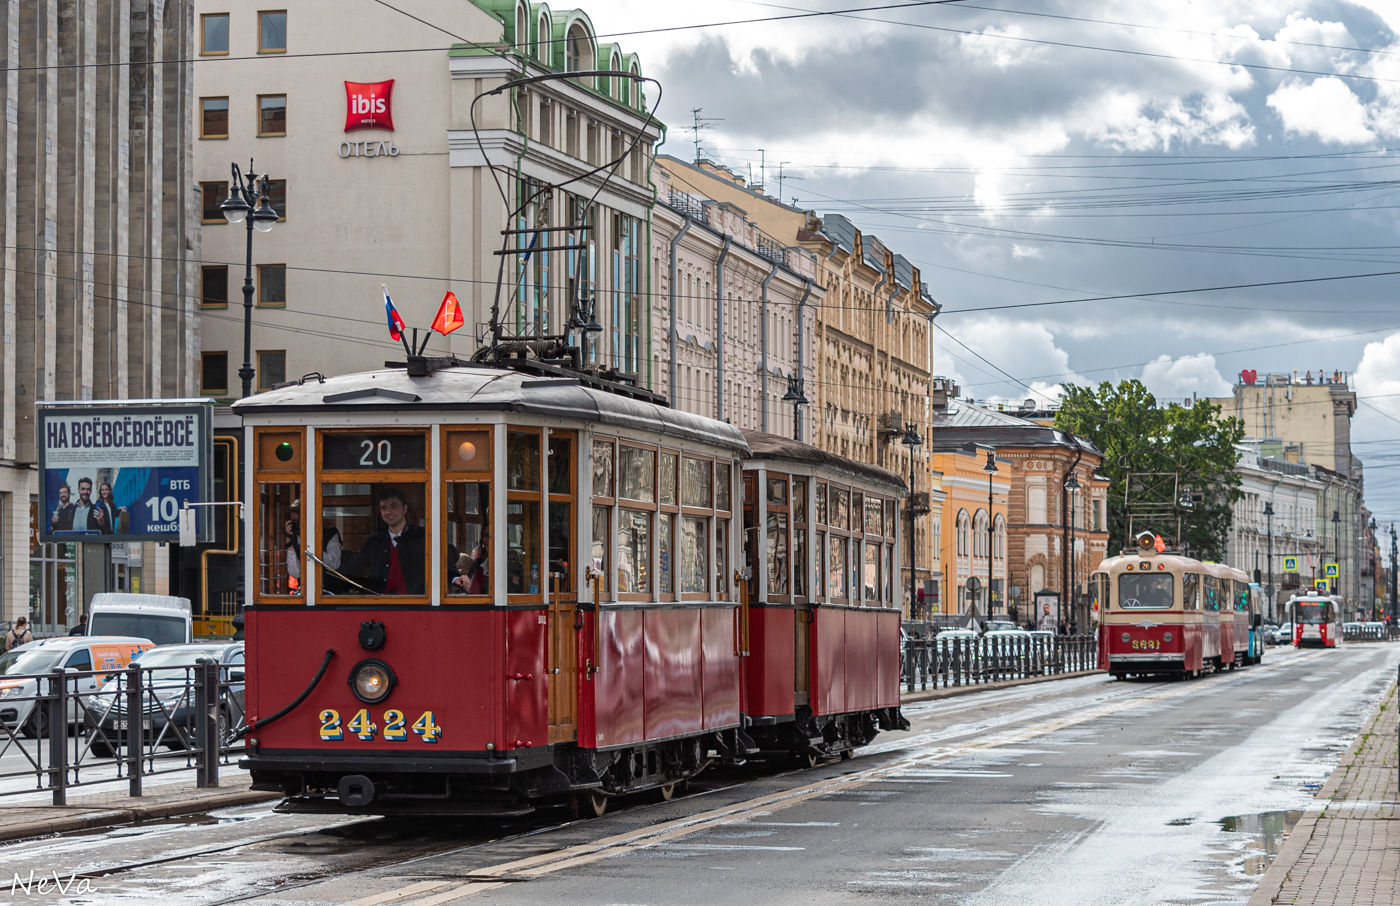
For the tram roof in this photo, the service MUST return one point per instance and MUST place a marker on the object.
(476, 388)
(774, 447)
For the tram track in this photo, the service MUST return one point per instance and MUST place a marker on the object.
(429, 889)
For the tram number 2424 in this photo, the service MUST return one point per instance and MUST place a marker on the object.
(362, 726)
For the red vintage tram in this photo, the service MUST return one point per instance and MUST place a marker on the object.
(1162, 613)
(475, 588)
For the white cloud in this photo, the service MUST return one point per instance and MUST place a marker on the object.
(1026, 350)
(1134, 123)
(1178, 379)
(1326, 108)
(1026, 251)
(1378, 377)
(988, 47)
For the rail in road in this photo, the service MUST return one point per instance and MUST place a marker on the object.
(375, 862)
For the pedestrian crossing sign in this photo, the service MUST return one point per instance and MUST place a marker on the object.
(1290, 564)
(1320, 584)
(1330, 570)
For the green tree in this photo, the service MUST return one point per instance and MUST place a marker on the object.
(1139, 437)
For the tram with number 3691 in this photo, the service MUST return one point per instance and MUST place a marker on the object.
(476, 589)
(1166, 614)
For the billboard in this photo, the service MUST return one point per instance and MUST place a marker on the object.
(116, 472)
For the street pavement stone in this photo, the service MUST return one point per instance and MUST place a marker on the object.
(1346, 848)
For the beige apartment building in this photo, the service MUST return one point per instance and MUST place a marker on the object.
(99, 257)
(866, 374)
(362, 118)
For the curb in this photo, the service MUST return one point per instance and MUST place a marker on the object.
(924, 695)
(1271, 885)
(138, 814)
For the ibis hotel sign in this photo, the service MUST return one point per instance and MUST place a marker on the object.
(114, 472)
(369, 105)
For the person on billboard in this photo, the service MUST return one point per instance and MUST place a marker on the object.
(87, 515)
(1047, 621)
(62, 518)
(111, 513)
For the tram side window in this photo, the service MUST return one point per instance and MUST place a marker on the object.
(724, 485)
(695, 560)
(634, 552)
(1145, 591)
(601, 518)
(777, 550)
(721, 559)
(837, 567)
(664, 529)
(799, 536)
(468, 531)
(888, 575)
(279, 538)
(523, 547)
(872, 573)
(1191, 591)
(1211, 589)
(385, 548)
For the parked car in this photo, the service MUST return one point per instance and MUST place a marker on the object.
(1007, 647)
(1046, 656)
(1284, 634)
(75, 654)
(165, 619)
(169, 704)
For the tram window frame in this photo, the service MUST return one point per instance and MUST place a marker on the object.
(1134, 576)
(800, 558)
(636, 500)
(857, 513)
(821, 502)
(1190, 591)
(269, 533)
(1210, 598)
(668, 510)
(779, 513)
(838, 529)
(458, 469)
(378, 482)
(668, 478)
(563, 568)
(529, 494)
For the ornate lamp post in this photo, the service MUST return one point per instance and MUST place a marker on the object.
(1334, 581)
(1269, 588)
(911, 440)
(248, 203)
(991, 469)
(795, 396)
(1072, 485)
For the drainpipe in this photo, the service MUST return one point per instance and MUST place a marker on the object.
(719, 329)
(763, 341)
(685, 228)
(801, 354)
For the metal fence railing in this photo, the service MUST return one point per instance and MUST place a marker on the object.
(966, 660)
(1364, 632)
(70, 732)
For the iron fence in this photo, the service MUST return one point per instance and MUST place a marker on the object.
(966, 660)
(1362, 632)
(76, 728)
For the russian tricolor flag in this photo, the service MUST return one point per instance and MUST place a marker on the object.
(396, 325)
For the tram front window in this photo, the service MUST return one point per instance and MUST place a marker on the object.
(468, 531)
(1145, 591)
(1312, 613)
(384, 545)
(279, 539)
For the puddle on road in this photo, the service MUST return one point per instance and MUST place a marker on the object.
(1267, 831)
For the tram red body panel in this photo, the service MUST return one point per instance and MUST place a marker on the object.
(525, 722)
(1227, 638)
(1195, 645)
(619, 688)
(887, 640)
(828, 660)
(770, 668)
(719, 668)
(433, 662)
(862, 657)
(673, 672)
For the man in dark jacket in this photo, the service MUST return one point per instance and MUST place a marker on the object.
(392, 561)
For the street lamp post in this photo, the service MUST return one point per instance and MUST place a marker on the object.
(795, 396)
(911, 440)
(991, 469)
(1071, 485)
(248, 203)
(1269, 588)
(1334, 581)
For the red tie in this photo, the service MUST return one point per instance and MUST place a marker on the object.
(394, 584)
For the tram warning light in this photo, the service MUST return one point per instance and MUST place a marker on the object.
(1144, 541)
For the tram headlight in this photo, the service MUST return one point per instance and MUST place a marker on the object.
(1166, 636)
(372, 680)
(1125, 637)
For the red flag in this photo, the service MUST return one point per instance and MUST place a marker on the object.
(449, 315)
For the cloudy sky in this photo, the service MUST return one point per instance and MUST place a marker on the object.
(1028, 160)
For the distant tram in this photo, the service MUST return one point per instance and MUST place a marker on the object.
(1165, 614)
(475, 589)
(1317, 620)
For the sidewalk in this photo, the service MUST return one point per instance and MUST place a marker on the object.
(1346, 848)
(108, 805)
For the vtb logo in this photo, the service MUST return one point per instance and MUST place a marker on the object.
(368, 105)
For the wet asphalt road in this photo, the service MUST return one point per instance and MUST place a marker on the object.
(1081, 791)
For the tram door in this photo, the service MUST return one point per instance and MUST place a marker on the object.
(562, 666)
(801, 662)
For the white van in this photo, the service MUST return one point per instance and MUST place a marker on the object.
(163, 619)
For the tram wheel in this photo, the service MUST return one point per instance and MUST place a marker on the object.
(811, 758)
(666, 792)
(597, 804)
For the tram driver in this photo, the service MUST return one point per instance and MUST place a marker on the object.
(392, 561)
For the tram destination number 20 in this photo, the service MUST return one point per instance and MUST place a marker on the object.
(362, 726)
(358, 452)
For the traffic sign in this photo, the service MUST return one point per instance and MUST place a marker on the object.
(1330, 570)
(1320, 584)
(1290, 564)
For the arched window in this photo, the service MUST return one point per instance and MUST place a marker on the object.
(979, 534)
(636, 88)
(578, 49)
(964, 533)
(614, 83)
(522, 28)
(544, 38)
(999, 537)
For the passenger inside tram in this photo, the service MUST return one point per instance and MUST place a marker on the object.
(393, 557)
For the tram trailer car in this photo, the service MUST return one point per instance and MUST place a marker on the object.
(475, 589)
(1165, 614)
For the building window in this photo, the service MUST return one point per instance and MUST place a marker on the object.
(213, 33)
(272, 368)
(272, 31)
(213, 286)
(213, 373)
(211, 195)
(277, 197)
(272, 114)
(272, 285)
(213, 119)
